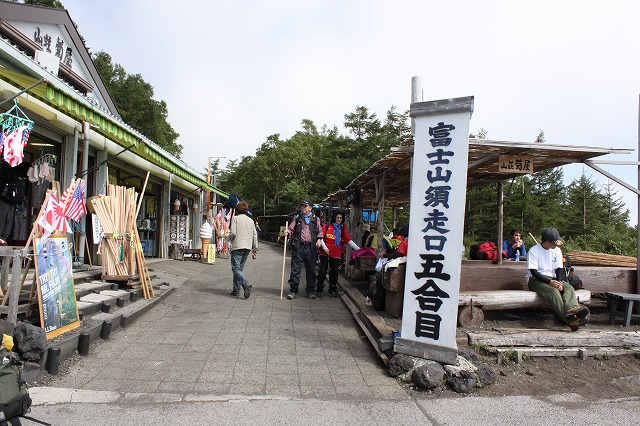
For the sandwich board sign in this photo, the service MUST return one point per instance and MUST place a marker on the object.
(56, 292)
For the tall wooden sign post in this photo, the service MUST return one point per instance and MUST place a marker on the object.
(438, 193)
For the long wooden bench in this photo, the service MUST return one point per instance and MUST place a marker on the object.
(486, 286)
(472, 304)
(484, 275)
(511, 299)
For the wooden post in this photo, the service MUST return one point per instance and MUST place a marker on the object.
(14, 292)
(500, 220)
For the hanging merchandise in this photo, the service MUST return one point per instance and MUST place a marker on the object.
(16, 128)
(42, 169)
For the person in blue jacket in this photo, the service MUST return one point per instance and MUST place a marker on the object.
(515, 244)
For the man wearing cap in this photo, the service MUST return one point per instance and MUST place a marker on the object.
(305, 232)
(547, 277)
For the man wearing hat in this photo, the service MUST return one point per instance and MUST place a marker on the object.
(305, 232)
(547, 277)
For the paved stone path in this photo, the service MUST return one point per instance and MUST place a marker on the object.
(201, 340)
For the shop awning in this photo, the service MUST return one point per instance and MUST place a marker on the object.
(108, 127)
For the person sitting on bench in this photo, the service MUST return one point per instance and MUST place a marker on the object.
(547, 277)
(515, 244)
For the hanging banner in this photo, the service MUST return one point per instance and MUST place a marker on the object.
(438, 193)
(56, 292)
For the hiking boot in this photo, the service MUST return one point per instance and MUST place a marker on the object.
(333, 293)
(577, 323)
(576, 313)
(247, 292)
(312, 295)
(234, 293)
(292, 295)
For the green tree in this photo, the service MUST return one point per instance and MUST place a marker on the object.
(55, 4)
(134, 99)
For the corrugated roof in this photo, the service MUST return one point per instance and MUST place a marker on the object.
(482, 169)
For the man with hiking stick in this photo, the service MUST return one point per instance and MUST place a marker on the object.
(305, 233)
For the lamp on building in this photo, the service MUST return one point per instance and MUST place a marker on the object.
(176, 204)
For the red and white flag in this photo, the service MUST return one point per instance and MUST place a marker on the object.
(75, 207)
(66, 195)
(47, 221)
(62, 224)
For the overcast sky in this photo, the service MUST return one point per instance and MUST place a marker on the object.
(233, 73)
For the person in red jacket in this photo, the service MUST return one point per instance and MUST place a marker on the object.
(335, 236)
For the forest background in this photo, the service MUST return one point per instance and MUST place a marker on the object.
(316, 162)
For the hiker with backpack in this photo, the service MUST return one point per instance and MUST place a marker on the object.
(243, 238)
(335, 237)
(305, 236)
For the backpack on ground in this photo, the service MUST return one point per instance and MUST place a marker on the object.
(486, 250)
(572, 277)
(14, 397)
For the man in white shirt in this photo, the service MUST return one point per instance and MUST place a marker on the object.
(548, 279)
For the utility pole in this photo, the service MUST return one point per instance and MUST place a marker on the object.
(209, 182)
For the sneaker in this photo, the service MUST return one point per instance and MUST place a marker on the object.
(292, 295)
(247, 292)
(575, 314)
(320, 294)
(234, 293)
(312, 295)
(333, 293)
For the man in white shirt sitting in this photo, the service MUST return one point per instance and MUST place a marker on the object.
(547, 277)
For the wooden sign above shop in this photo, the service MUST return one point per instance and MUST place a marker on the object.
(515, 164)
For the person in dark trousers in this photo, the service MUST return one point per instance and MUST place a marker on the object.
(243, 238)
(305, 233)
(547, 277)
(335, 237)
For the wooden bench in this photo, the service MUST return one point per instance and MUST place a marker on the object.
(471, 304)
(629, 299)
(195, 253)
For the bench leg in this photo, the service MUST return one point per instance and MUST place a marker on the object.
(627, 318)
(613, 306)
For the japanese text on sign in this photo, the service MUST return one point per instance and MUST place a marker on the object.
(515, 164)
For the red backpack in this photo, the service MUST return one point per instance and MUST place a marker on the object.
(486, 250)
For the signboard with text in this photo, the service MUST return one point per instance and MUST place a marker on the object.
(56, 292)
(438, 193)
(515, 164)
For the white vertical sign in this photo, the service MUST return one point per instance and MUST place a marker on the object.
(438, 193)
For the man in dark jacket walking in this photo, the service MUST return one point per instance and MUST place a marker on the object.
(305, 232)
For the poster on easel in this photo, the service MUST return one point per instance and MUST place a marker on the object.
(56, 292)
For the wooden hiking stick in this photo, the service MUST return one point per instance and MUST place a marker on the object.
(284, 258)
